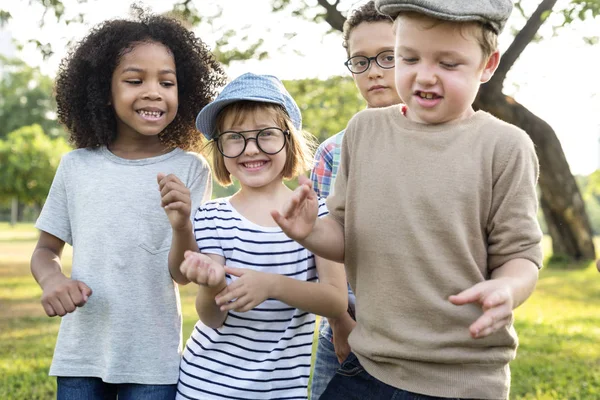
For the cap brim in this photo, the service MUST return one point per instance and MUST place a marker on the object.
(205, 120)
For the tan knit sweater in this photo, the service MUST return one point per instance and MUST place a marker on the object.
(428, 211)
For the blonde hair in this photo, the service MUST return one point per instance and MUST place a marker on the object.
(299, 146)
(483, 34)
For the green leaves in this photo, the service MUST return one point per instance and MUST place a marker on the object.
(29, 159)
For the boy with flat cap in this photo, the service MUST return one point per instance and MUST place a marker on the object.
(433, 213)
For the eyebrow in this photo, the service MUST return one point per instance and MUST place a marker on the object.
(441, 53)
(161, 72)
(360, 53)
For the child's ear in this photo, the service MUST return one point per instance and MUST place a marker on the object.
(490, 67)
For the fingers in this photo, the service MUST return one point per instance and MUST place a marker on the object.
(171, 183)
(490, 322)
(65, 298)
(85, 290)
(201, 269)
(175, 195)
(234, 271)
(241, 304)
(296, 200)
(233, 291)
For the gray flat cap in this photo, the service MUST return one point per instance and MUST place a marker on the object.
(491, 12)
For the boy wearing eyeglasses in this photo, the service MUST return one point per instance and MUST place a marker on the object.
(368, 38)
(434, 214)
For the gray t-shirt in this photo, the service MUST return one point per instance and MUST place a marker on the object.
(108, 208)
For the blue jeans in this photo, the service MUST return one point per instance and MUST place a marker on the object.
(352, 382)
(87, 388)
(326, 365)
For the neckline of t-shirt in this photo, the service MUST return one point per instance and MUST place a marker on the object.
(142, 161)
(236, 213)
(420, 128)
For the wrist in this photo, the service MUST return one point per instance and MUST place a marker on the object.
(44, 281)
(273, 284)
(184, 229)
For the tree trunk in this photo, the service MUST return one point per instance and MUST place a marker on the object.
(14, 211)
(561, 201)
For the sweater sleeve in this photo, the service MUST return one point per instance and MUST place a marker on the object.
(513, 229)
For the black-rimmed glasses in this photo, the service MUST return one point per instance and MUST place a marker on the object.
(359, 64)
(270, 141)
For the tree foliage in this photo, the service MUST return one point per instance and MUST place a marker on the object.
(29, 159)
(326, 105)
(25, 98)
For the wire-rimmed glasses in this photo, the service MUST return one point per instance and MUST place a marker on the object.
(270, 141)
(359, 64)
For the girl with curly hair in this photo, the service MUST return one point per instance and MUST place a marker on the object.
(128, 94)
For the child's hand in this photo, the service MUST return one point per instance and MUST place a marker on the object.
(175, 199)
(249, 290)
(202, 270)
(62, 295)
(300, 212)
(496, 299)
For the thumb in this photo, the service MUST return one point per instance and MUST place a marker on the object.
(85, 290)
(469, 295)
(234, 271)
(160, 177)
(303, 180)
(188, 253)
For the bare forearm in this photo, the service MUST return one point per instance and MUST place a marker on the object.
(326, 240)
(45, 263)
(183, 240)
(344, 320)
(207, 308)
(319, 298)
(522, 276)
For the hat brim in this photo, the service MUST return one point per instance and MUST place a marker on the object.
(206, 119)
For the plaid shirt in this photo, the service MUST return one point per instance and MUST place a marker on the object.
(327, 162)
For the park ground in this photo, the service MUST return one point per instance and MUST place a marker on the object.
(559, 329)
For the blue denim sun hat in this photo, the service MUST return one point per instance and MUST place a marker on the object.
(252, 87)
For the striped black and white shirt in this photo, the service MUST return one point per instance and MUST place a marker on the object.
(263, 353)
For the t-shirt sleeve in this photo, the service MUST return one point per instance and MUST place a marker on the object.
(513, 228)
(205, 229)
(201, 186)
(54, 218)
(336, 202)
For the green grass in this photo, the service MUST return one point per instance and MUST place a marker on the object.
(559, 329)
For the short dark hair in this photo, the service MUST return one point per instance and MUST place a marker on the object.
(83, 83)
(364, 13)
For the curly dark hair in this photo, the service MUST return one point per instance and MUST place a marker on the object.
(83, 83)
(365, 13)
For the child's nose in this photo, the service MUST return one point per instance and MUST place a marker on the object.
(152, 92)
(375, 71)
(251, 147)
(426, 76)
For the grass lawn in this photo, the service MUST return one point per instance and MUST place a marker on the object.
(559, 330)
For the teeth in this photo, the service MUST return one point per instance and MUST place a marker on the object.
(153, 114)
(254, 164)
(426, 95)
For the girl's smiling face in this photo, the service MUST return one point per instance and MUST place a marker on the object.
(144, 91)
(254, 168)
